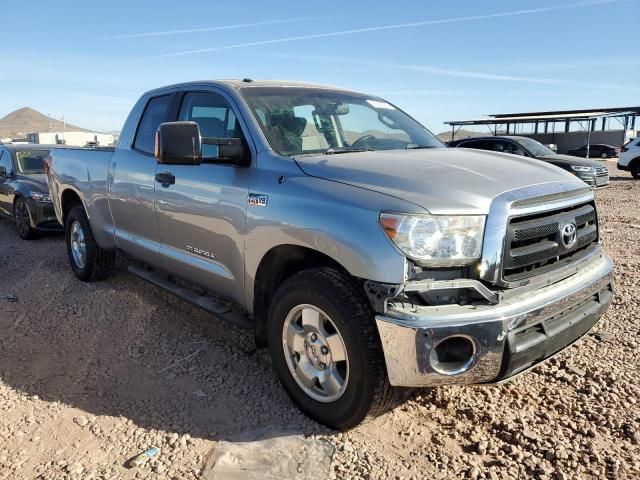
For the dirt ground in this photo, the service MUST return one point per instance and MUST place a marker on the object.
(93, 374)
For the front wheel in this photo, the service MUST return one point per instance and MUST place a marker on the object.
(88, 261)
(23, 220)
(604, 155)
(635, 169)
(326, 351)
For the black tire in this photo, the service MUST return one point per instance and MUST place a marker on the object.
(367, 393)
(635, 169)
(604, 155)
(99, 263)
(22, 218)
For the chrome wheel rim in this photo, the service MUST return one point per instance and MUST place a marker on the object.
(78, 246)
(315, 353)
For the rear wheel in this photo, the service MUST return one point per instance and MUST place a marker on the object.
(88, 261)
(326, 351)
(604, 155)
(23, 220)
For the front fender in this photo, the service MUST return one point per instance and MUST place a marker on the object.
(338, 220)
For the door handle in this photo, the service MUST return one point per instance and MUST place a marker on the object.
(165, 178)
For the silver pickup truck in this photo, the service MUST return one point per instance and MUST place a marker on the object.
(364, 254)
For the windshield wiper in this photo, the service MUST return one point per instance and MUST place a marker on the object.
(417, 147)
(335, 151)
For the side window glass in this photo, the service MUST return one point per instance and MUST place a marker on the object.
(5, 161)
(154, 114)
(471, 144)
(496, 146)
(213, 115)
(515, 149)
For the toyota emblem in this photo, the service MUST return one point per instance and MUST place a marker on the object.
(569, 235)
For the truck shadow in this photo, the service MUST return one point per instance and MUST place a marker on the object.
(125, 349)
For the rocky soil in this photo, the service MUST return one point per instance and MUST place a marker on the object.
(92, 375)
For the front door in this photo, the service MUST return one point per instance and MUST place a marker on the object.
(131, 193)
(201, 217)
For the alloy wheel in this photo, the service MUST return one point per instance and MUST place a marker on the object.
(23, 221)
(315, 353)
(78, 245)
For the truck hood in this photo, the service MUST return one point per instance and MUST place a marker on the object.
(442, 180)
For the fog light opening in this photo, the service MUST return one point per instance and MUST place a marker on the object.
(453, 355)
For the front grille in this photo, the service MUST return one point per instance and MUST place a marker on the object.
(541, 242)
(602, 171)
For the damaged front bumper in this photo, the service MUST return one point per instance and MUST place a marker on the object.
(453, 344)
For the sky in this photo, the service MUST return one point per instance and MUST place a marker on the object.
(437, 60)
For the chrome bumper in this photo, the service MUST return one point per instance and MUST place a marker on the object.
(507, 338)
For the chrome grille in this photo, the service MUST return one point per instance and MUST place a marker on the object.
(602, 171)
(535, 244)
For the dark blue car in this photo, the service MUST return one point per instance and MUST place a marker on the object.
(24, 195)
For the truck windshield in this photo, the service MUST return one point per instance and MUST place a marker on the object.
(302, 120)
(31, 162)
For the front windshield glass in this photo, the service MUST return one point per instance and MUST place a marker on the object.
(31, 161)
(304, 120)
(535, 148)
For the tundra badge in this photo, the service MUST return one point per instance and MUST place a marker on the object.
(257, 200)
(202, 253)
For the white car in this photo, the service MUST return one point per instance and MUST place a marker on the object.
(629, 159)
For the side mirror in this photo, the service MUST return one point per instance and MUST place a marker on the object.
(3, 172)
(179, 143)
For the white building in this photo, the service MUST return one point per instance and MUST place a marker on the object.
(77, 139)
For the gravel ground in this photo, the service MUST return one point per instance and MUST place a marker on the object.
(92, 375)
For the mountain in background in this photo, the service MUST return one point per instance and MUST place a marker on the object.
(26, 120)
(460, 134)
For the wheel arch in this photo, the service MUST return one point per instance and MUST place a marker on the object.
(68, 199)
(17, 196)
(278, 264)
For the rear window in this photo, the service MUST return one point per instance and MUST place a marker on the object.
(155, 113)
(31, 162)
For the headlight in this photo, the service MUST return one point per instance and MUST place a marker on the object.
(40, 197)
(436, 240)
(580, 168)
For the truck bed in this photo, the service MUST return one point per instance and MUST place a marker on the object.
(86, 171)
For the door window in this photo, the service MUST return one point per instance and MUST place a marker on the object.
(213, 115)
(513, 148)
(479, 144)
(155, 113)
(5, 161)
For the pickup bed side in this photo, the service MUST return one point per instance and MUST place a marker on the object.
(85, 181)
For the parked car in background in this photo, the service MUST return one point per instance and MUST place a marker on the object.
(24, 195)
(629, 159)
(591, 172)
(596, 150)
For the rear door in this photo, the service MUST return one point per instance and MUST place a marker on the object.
(132, 184)
(202, 216)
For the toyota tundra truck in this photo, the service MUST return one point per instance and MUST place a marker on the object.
(365, 255)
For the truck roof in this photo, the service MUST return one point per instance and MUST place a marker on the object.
(248, 82)
(19, 147)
